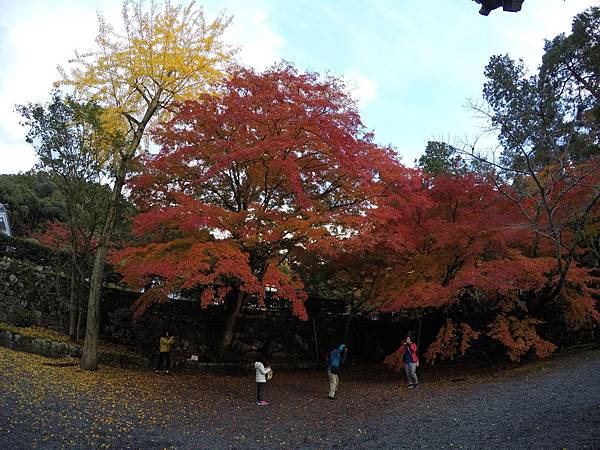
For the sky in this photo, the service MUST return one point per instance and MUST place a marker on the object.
(412, 65)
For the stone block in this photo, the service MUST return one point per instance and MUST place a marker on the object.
(280, 355)
(36, 316)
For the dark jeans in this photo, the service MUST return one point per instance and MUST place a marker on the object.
(166, 357)
(260, 391)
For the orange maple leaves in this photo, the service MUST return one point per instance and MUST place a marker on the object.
(278, 166)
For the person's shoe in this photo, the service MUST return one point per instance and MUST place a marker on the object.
(264, 402)
(167, 371)
(412, 386)
(157, 371)
(330, 397)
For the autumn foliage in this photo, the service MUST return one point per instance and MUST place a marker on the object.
(275, 185)
(268, 183)
(272, 183)
(245, 182)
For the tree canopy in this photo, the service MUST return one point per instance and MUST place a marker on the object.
(270, 182)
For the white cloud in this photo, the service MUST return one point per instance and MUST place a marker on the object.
(362, 88)
(259, 43)
(38, 35)
(16, 157)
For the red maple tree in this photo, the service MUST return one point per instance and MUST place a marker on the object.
(246, 180)
(468, 242)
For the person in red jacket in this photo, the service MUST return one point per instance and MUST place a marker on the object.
(408, 352)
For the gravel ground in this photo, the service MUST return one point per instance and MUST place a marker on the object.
(553, 404)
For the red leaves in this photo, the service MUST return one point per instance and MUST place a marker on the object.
(286, 286)
(211, 295)
(506, 275)
(518, 336)
(419, 294)
(153, 296)
(248, 179)
(470, 242)
(580, 307)
(277, 174)
(458, 238)
(186, 263)
(57, 235)
(279, 131)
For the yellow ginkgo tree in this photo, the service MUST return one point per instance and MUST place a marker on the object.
(164, 53)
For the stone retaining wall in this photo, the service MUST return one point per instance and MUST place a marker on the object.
(34, 290)
(39, 346)
(32, 295)
(54, 349)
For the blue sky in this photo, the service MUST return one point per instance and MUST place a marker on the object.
(411, 64)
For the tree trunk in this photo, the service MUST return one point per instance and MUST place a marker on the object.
(317, 355)
(79, 317)
(227, 339)
(348, 323)
(89, 356)
(74, 300)
(81, 295)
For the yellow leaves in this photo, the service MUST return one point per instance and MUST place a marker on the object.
(165, 53)
(35, 332)
(56, 336)
(52, 399)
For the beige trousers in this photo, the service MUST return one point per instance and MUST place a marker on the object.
(334, 382)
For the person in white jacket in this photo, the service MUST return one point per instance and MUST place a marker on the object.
(261, 380)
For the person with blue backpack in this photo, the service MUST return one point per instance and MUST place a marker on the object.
(335, 358)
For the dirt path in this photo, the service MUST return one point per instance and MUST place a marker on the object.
(550, 405)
